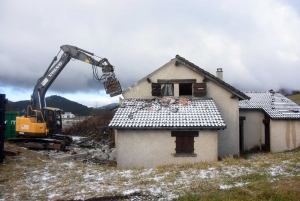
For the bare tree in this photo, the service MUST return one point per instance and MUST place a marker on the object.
(284, 91)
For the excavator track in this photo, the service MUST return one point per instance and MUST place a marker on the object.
(39, 143)
(67, 139)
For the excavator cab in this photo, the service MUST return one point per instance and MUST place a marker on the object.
(53, 119)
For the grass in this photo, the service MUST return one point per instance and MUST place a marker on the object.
(295, 98)
(259, 176)
(283, 189)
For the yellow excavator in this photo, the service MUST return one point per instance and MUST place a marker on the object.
(41, 126)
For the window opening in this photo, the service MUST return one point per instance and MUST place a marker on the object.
(185, 89)
(167, 90)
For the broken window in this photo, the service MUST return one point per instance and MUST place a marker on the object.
(162, 89)
(200, 89)
(185, 89)
(184, 141)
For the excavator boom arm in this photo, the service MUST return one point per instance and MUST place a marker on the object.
(111, 84)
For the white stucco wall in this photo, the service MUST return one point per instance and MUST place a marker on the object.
(150, 148)
(228, 142)
(284, 135)
(253, 129)
(228, 139)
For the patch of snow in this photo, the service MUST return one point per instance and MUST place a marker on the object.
(127, 192)
(222, 187)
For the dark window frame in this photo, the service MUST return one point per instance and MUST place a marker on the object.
(184, 143)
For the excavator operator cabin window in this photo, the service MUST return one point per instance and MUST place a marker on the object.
(185, 89)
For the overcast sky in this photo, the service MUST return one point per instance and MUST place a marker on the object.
(257, 43)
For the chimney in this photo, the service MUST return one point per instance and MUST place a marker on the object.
(220, 73)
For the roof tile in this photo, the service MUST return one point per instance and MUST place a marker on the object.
(274, 104)
(155, 114)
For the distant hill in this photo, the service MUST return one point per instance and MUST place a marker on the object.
(295, 98)
(59, 102)
(68, 105)
(110, 106)
(53, 101)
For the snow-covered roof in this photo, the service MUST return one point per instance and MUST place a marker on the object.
(168, 113)
(274, 104)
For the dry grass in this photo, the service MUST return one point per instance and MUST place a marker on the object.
(284, 189)
(263, 176)
(295, 98)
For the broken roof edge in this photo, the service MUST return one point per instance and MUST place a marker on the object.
(206, 74)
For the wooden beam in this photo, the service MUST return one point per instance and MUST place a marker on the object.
(176, 81)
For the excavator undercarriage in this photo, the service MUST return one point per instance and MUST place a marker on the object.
(40, 143)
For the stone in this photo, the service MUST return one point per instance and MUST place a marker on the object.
(113, 154)
(100, 158)
(105, 155)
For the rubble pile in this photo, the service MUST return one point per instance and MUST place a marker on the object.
(94, 128)
(93, 142)
(101, 155)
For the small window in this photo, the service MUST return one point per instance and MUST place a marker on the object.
(184, 145)
(184, 142)
(185, 89)
(159, 89)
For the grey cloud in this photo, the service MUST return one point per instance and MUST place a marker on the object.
(138, 37)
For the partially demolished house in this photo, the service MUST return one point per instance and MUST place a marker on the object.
(269, 121)
(179, 113)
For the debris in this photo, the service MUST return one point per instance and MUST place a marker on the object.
(174, 110)
(172, 101)
(11, 153)
(183, 101)
(67, 156)
(113, 154)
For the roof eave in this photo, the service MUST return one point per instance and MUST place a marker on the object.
(209, 76)
(169, 128)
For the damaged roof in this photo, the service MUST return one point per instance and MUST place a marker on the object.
(207, 76)
(211, 77)
(275, 105)
(168, 113)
